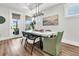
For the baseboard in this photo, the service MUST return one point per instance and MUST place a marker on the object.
(7, 38)
(70, 42)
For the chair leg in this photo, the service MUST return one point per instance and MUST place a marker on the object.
(21, 41)
(32, 47)
(25, 45)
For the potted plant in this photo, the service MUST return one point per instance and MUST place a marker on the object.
(16, 29)
(32, 25)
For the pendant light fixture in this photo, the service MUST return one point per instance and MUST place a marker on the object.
(38, 12)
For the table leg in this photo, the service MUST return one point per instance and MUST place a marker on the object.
(41, 43)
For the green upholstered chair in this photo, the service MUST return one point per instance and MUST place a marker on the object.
(53, 45)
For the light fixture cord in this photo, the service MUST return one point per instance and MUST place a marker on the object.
(37, 9)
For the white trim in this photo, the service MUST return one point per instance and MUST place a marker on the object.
(70, 42)
(7, 38)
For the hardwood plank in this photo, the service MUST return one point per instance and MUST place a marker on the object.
(70, 50)
(13, 47)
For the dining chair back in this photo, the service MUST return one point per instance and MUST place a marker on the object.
(31, 39)
(53, 45)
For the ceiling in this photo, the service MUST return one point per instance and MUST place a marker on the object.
(27, 7)
(31, 6)
(24, 7)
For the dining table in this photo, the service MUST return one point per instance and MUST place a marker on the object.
(41, 35)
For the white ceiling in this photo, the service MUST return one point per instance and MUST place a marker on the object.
(27, 7)
(24, 7)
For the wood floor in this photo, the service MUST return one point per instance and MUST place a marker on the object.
(69, 50)
(13, 47)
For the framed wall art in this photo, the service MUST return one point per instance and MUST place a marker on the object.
(50, 20)
(2, 19)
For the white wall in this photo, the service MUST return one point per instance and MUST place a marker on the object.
(57, 10)
(5, 27)
(69, 25)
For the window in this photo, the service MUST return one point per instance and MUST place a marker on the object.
(14, 23)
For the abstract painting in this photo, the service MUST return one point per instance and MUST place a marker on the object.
(50, 20)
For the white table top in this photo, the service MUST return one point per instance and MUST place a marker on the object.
(45, 34)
